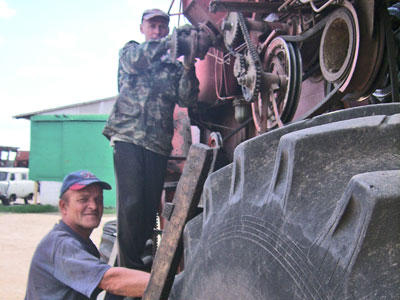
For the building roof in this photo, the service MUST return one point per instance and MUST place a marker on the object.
(15, 170)
(100, 106)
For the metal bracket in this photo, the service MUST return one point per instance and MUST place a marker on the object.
(168, 210)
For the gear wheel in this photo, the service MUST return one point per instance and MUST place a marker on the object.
(239, 68)
(233, 36)
(248, 76)
(247, 68)
(252, 79)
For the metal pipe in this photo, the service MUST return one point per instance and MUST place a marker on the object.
(259, 7)
(317, 10)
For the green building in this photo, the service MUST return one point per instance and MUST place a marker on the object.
(66, 139)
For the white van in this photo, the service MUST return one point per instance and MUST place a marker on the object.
(14, 183)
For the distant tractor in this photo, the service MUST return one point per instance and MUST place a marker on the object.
(12, 157)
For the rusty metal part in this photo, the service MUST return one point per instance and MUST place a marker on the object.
(250, 83)
(194, 51)
(239, 67)
(167, 211)
(286, 4)
(205, 40)
(260, 113)
(281, 84)
(349, 56)
(308, 33)
(248, 76)
(199, 17)
(337, 47)
(210, 34)
(215, 140)
(192, 45)
(231, 30)
(242, 110)
(322, 7)
(276, 112)
(263, 26)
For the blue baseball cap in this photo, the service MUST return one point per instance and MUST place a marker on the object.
(79, 179)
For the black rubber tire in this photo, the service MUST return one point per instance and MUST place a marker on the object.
(107, 240)
(5, 201)
(12, 198)
(29, 197)
(308, 211)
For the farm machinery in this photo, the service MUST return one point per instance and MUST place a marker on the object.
(300, 196)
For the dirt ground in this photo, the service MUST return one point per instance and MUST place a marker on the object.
(19, 236)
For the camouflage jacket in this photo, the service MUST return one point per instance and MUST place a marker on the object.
(149, 85)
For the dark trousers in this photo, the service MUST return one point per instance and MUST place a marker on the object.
(139, 175)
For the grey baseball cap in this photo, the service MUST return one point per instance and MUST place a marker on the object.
(152, 13)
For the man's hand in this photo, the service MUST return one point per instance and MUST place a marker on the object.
(124, 282)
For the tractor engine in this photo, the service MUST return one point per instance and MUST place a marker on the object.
(264, 64)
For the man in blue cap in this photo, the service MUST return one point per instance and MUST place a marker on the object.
(66, 263)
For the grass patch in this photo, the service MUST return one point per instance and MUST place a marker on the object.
(23, 209)
(109, 211)
(32, 208)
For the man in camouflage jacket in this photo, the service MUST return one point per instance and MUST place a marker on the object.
(141, 127)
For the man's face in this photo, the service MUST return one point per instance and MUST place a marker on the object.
(155, 28)
(84, 209)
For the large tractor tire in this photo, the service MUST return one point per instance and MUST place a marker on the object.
(308, 211)
(107, 240)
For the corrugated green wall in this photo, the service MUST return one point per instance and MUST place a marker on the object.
(64, 143)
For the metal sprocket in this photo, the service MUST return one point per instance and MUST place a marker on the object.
(232, 33)
(252, 82)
